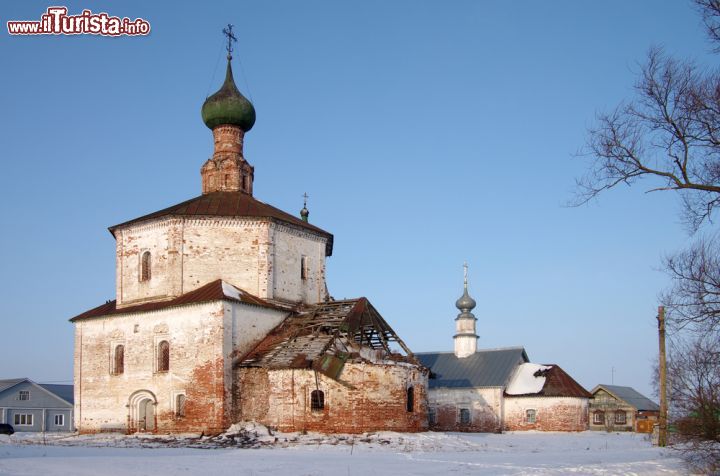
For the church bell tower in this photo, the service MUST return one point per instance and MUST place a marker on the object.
(465, 336)
(229, 115)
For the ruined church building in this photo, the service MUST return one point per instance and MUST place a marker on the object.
(222, 315)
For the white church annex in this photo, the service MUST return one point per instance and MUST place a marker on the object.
(205, 283)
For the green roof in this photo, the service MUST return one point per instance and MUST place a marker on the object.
(228, 106)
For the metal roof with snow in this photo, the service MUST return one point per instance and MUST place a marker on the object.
(630, 396)
(484, 368)
(535, 380)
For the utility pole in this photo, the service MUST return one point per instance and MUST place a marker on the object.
(662, 436)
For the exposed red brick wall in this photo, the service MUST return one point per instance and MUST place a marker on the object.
(204, 404)
(372, 398)
(227, 170)
(447, 418)
(551, 413)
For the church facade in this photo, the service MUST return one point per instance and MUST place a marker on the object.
(495, 390)
(213, 296)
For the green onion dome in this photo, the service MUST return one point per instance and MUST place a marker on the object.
(228, 106)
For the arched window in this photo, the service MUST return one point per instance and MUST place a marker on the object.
(163, 356)
(317, 400)
(303, 267)
(145, 271)
(180, 406)
(410, 402)
(119, 360)
(530, 415)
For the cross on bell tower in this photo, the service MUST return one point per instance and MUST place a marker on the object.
(305, 213)
(227, 31)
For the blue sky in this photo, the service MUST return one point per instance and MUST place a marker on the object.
(426, 133)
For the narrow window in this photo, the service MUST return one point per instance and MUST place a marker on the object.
(303, 267)
(24, 395)
(317, 400)
(599, 418)
(59, 420)
(530, 415)
(620, 417)
(180, 406)
(227, 180)
(119, 360)
(163, 356)
(432, 416)
(410, 402)
(464, 416)
(145, 271)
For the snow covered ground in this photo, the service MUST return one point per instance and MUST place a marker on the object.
(252, 451)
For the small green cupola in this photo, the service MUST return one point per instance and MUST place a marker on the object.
(228, 106)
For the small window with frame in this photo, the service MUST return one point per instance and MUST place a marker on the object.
(464, 416)
(410, 399)
(145, 266)
(24, 395)
(303, 268)
(432, 416)
(531, 415)
(163, 356)
(118, 367)
(317, 400)
(59, 420)
(180, 405)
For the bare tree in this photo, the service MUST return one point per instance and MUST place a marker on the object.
(710, 11)
(694, 370)
(669, 132)
(693, 302)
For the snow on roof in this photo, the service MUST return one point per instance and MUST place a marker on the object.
(214, 291)
(528, 378)
(231, 291)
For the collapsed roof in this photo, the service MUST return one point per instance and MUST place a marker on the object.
(324, 336)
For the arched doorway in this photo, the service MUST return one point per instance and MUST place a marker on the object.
(141, 405)
(146, 415)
